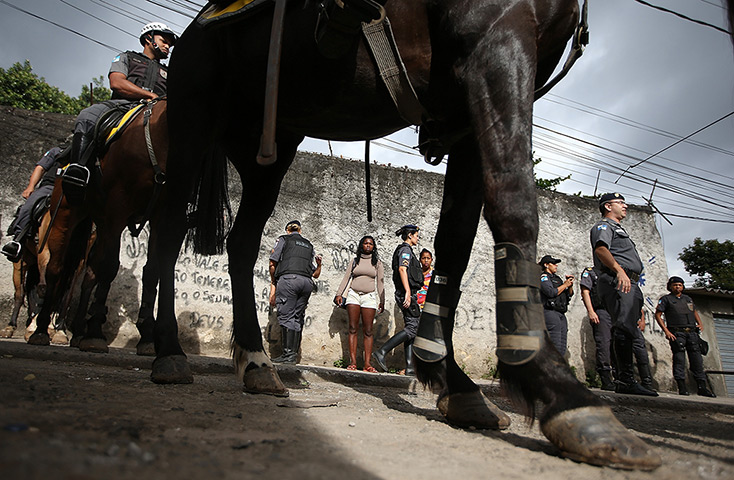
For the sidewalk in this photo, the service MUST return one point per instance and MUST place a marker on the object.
(202, 365)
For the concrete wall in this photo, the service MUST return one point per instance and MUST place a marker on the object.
(327, 195)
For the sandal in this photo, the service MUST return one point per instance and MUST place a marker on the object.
(352, 367)
(370, 369)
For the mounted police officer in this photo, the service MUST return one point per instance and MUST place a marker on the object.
(293, 263)
(407, 276)
(133, 77)
(555, 294)
(40, 186)
(619, 266)
(681, 327)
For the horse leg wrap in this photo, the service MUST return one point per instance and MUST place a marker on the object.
(340, 22)
(520, 322)
(440, 306)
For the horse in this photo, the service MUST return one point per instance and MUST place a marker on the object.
(474, 67)
(125, 193)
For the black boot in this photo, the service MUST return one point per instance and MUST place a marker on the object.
(409, 369)
(607, 382)
(12, 250)
(76, 175)
(645, 375)
(296, 347)
(287, 337)
(703, 390)
(682, 388)
(625, 368)
(379, 354)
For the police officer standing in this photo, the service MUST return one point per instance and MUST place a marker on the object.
(601, 325)
(555, 294)
(681, 327)
(407, 276)
(133, 76)
(293, 263)
(619, 264)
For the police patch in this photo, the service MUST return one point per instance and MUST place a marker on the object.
(405, 256)
(544, 277)
(585, 274)
(164, 73)
(116, 59)
(601, 227)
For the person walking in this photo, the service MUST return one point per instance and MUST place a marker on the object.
(555, 294)
(682, 327)
(408, 277)
(365, 298)
(620, 266)
(293, 265)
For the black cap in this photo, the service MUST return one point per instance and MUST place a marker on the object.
(673, 280)
(608, 197)
(548, 259)
(292, 222)
(409, 228)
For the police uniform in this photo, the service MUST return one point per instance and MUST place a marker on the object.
(404, 257)
(555, 306)
(603, 329)
(294, 256)
(681, 321)
(49, 162)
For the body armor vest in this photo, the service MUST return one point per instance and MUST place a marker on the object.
(296, 256)
(680, 312)
(559, 303)
(145, 73)
(415, 273)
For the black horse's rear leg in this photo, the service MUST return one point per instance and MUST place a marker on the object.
(146, 319)
(460, 400)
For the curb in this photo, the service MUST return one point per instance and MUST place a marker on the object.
(202, 365)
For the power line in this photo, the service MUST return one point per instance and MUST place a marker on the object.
(684, 17)
(97, 18)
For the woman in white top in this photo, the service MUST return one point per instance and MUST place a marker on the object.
(366, 298)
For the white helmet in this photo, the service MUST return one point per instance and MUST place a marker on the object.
(156, 27)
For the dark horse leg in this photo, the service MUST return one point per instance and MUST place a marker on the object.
(18, 298)
(575, 420)
(260, 187)
(146, 319)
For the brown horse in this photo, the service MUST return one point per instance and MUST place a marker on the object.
(475, 66)
(119, 195)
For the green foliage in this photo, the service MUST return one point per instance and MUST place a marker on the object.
(340, 363)
(21, 88)
(712, 261)
(593, 380)
(544, 183)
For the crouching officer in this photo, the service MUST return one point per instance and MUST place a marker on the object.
(133, 77)
(681, 327)
(555, 294)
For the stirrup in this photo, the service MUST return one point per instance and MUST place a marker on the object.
(12, 250)
(74, 182)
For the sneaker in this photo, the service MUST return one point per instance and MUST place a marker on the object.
(12, 250)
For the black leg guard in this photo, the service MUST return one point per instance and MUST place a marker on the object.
(442, 298)
(520, 321)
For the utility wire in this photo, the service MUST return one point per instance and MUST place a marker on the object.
(97, 18)
(684, 17)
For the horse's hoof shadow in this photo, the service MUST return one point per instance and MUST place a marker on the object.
(39, 338)
(472, 409)
(264, 380)
(594, 435)
(171, 369)
(94, 345)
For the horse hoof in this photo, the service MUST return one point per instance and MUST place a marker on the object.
(94, 345)
(594, 435)
(146, 349)
(472, 409)
(59, 338)
(75, 341)
(39, 338)
(7, 332)
(264, 380)
(171, 369)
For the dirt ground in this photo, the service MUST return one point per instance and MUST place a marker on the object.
(71, 415)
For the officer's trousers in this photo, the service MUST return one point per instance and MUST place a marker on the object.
(291, 298)
(24, 214)
(411, 315)
(557, 326)
(624, 308)
(640, 349)
(603, 339)
(687, 342)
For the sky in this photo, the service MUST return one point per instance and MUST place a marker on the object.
(648, 80)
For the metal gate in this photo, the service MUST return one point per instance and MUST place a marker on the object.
(725, 337)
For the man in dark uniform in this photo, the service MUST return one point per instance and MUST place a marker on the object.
(133, 77)
(619, 266)
(601, 325)
(407, 276)
(555, 294)
(293, 263)
(681, 327)
(40, 185)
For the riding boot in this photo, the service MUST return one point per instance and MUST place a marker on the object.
(287, 340)
(379, 354)
(645, 375)
(682, 388)
(408, 347)
(703, 390)
(607, 382)
(12, 250)
(295, 347)
(76, 175)
(625, 368)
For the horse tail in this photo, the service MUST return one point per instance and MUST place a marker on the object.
(209, 215)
